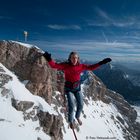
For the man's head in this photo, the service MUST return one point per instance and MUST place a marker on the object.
(73, 58)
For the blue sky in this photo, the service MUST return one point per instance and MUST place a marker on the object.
(94, 28)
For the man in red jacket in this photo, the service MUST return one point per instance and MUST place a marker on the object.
(72, 70)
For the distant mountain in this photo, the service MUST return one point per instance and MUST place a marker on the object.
(132, 75)
(121, 80)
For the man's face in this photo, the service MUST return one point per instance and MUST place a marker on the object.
(74, 59)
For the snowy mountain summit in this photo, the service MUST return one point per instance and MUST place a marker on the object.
(31, 103)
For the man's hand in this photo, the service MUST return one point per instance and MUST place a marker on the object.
(104, 61)
(47, 56)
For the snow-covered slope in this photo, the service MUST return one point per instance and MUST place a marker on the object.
(97, 117)
(12, 124)
(98, 123)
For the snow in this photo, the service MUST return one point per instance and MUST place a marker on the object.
(27, 45)
(13, 126)
(22, 94)
(23, 44)
(126, 76)
(97, 124)
(111, 66)
(97, 117)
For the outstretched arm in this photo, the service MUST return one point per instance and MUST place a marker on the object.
(95, 66)
(52, 63)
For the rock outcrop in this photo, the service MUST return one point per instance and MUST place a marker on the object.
(28, 64)
(96, 90)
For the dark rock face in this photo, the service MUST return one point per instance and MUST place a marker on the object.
(21, 105)
(51, 124)
(4, 79)
(28, 64)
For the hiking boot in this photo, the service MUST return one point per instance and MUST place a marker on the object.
(79, 121)
(72, 125)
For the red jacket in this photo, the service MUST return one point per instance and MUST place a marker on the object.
(72, 72)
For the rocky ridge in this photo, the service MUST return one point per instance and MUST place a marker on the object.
(29, 65)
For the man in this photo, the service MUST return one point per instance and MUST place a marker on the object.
(72, 70)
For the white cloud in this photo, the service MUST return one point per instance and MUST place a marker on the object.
(94, 50)
(105, 19)
(102, 14)
(64, 27)
(112, 22)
